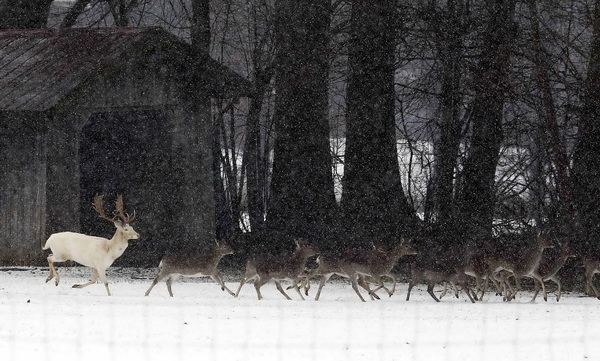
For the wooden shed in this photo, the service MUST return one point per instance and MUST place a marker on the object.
(106, 111)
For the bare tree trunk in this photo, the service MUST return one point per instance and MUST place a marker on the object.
(302, 201)
(373, 201)
(74, 11)
(200, 32)
(449, 28)
(586, 157)
(254, 154)
(547, 112)
(478, 198)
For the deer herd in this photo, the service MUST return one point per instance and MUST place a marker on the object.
(365, 267)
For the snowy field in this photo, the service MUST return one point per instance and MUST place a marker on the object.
(40, 321)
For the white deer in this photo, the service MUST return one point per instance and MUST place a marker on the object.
(95, 252)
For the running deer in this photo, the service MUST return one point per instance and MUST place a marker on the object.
(264, 267)
(591, 266)
(383, 265)
(361, 265)
(476, 266)
(172, 266)
(523, 262)
(456, 276)
(95, 252)
(549, 268)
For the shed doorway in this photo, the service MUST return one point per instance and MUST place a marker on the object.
(128, 152)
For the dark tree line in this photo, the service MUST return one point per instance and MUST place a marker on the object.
(506, 92)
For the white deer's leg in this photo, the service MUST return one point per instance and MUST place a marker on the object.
(52, 270)
(93, 279)
(102, 275)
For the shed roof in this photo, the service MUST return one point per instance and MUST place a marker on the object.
(38, 68)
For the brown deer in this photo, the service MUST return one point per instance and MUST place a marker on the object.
(384, 266)
(172, 266)
(95, 252)
(419, 273)
(264, 267)
(523, 262)
(360, 265)
(549, 268)
(476, 266)
(591, 266)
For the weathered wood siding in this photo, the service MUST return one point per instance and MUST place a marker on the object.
(22, 187)
(62, 172)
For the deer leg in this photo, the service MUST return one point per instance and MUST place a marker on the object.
(363, 283)
(517, 287)
(51, 259)
(353, 280)
(430, 291)
(172, 278)
(259, 283)
(590, 283)
(249, 274)
(324, 279)
(467, 290)
(394, 281)
(93, 279)
(102, 274)
(537, 290)
(242, 282)
(280, 289)
(295, 286)
(413, 281)
(411, 284)
(559, 286)
(536, 276)
(482, 286)
(159, 277)
(443, 294)
(379, 281)
(499, 284)
(456, 289)
(217, 278)
(306, 285)
(506, 289)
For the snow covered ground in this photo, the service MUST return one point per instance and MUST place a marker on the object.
(40, 321)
